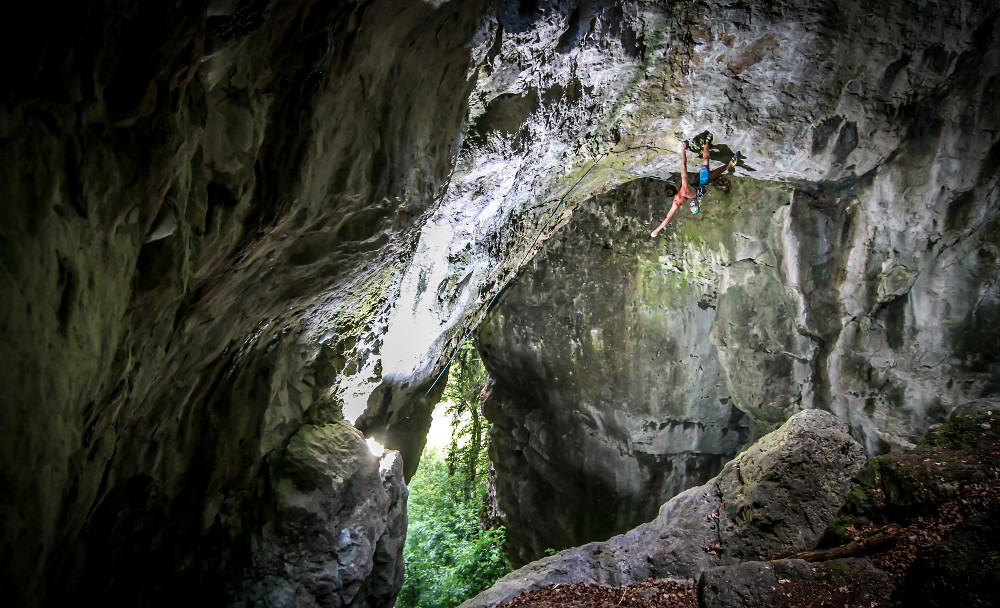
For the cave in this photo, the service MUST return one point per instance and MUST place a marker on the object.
(239, 238)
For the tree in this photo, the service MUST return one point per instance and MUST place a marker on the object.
(450, 555)
(467, 452)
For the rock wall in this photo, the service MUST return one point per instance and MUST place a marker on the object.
(340, 513)
(849, 277)
(549, 74)
(206, 205)
(229, 220)
(610, 396)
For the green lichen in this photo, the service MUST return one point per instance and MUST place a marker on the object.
(364, 298)
(598, 343)
(843, 528)
(760, 428)
(956, 432)
(837, 568)
(864, 498)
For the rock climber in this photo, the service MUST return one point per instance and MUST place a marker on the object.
(686, 192)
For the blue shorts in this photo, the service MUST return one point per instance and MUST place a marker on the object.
(704, 176)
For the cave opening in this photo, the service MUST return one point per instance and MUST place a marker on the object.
(455, 535)
(240, 238)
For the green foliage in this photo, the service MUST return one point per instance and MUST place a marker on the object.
(450, 555)
(469, 431)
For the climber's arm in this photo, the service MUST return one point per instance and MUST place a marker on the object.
(684, 167)
(670, 214)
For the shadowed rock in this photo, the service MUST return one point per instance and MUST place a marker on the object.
(753, 584)
(778, 496)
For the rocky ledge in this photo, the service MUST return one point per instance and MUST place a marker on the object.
(777, 496)
(917, 528)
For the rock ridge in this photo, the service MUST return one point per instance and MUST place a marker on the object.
(777, 496)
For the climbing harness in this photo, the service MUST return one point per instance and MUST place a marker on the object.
(534, 239)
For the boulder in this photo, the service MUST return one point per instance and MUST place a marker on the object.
(804, 469)
(339, 524)
(780, 495)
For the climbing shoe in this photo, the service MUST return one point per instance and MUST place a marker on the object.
(736, 159)
(701, 139)
(694, 206)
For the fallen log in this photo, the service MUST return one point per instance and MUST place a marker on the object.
(871, 544)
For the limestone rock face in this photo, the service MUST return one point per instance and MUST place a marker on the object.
(225, 221)
(797, 478)
(850, 277)
(610, 395)
(878, 112)
(550, 74)
(341, 514)
(206, 206)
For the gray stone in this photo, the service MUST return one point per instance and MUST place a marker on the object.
(339, 524)
(822, 285)
(351, 182)
(787, 488)
(610, 396)
(750, 583)
(770, 506)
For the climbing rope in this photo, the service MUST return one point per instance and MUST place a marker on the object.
(527, 250)
(637, 174)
